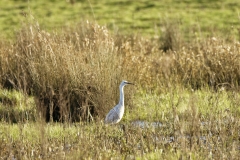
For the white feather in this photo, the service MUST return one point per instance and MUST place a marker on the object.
(115, 114)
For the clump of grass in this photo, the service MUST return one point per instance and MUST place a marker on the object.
(210, 62)
(16, 107)
(73, 75)
(214, 63)
(171, 38)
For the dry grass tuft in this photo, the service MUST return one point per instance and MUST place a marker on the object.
(73, 74)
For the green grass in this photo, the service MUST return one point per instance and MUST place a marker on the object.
(15, 106)
(145, 17)
(204, 124)
(159, 107)
(13, 98)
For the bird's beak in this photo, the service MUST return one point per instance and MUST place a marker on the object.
(130, 83)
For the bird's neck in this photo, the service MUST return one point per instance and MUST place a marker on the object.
(121, 100)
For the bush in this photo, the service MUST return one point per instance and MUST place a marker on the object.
(73, 75)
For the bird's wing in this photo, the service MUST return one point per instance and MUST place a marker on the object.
(112, 116)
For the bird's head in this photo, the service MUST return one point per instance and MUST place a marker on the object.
(123, 83)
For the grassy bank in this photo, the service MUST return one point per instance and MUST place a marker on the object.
(145, 17)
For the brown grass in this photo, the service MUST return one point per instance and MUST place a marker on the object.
(74, 73)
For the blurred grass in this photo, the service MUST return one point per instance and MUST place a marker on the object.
(15, 106)
(145, 17)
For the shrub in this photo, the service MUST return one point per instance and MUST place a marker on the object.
(73, 75)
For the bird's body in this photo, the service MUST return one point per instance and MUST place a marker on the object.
(115, 114)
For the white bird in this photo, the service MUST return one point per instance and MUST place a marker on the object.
(115, 114)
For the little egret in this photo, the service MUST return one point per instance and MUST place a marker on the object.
(115, 114)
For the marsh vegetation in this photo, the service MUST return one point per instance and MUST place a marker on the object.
(57, 85)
